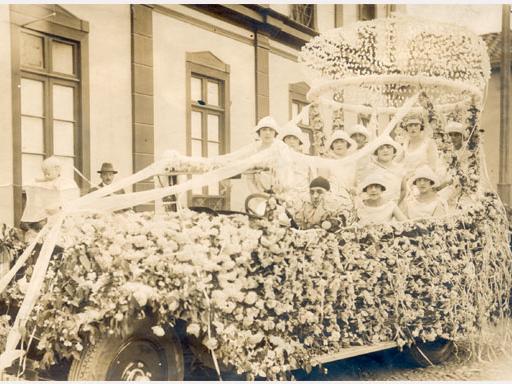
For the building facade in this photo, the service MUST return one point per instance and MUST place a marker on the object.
(124, 83)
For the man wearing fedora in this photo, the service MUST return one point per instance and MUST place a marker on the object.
(107, 173)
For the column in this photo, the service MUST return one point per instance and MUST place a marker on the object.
(142, 93)
(262, 48)
(505, 176)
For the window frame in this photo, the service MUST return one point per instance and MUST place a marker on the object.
(297, 94)
(361, 11)
(67, 28)
(314, 24)
(49, 80)
(206, 66)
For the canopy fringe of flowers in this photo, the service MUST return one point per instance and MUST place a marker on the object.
(359, 61)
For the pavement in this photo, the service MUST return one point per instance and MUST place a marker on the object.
(488, 357)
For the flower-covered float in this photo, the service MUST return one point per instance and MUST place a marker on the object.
(117, 295)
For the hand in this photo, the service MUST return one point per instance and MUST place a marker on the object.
(52, 211)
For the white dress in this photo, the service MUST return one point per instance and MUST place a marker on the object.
(44, 196)
(342, 178)
(419, 209)
(414, 158)
(375, 215)
(275, 174)
(393, 174)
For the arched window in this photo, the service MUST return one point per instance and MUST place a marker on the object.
(304, 14)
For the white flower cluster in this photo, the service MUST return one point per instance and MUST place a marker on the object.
(402, 47)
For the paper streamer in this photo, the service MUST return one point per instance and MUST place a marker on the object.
(97, 202)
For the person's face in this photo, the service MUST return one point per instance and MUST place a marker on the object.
(293, 142)
(423, 185)
(374, 191)
(51, 173)
(385, 153)
(107, 177)
(365, 118)
(456, 138)
(317, 195)
(267, 135)
(413, 129)
(340, 147)
(360, 139)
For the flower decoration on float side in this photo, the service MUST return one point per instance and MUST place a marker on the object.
(272, 297)
(11, 243)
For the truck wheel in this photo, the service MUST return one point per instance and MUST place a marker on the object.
(138, 356)
(431, 353)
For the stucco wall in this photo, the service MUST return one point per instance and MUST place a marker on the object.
(169, 49)
(170, 80)
(282, 73)
(349, 14)
(109, 85)
(6, 192)
(325, 17)
(283, 9)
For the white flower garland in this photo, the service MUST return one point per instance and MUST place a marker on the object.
(385, 57)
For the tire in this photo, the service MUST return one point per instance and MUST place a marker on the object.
(204, 356)
(431, 353)
(139, 355)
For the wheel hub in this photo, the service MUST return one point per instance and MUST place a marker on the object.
(139, 360)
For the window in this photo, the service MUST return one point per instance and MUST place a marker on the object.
(304, 14)
(298, 101)
(49, 99)
(50, 93)
(208, 120)
(367, 12)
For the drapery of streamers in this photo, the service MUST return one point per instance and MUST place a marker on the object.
(302, 114)
(373, 125)
(33, 292)
(96, 201)
(326, 112)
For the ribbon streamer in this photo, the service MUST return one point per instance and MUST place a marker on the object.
(96, 201)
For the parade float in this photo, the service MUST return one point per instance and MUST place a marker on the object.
(116, 295)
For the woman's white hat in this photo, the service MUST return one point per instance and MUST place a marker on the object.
(358, 128)
(393, 143)
(412, 118)
(292, 130)
(424, 172)
(268, 122)
(373, 178)
(453, 126)
(341, 135)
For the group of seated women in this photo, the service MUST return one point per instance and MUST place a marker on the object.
(395, 182)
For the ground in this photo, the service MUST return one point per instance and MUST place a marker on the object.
(488, 358)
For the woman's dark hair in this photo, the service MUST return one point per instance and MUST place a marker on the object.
(382, 188)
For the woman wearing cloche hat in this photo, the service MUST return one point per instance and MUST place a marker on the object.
(427, 203)
(298, 174)
(383, 162)
(373, 208)
(419, 149)
(342, 179)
